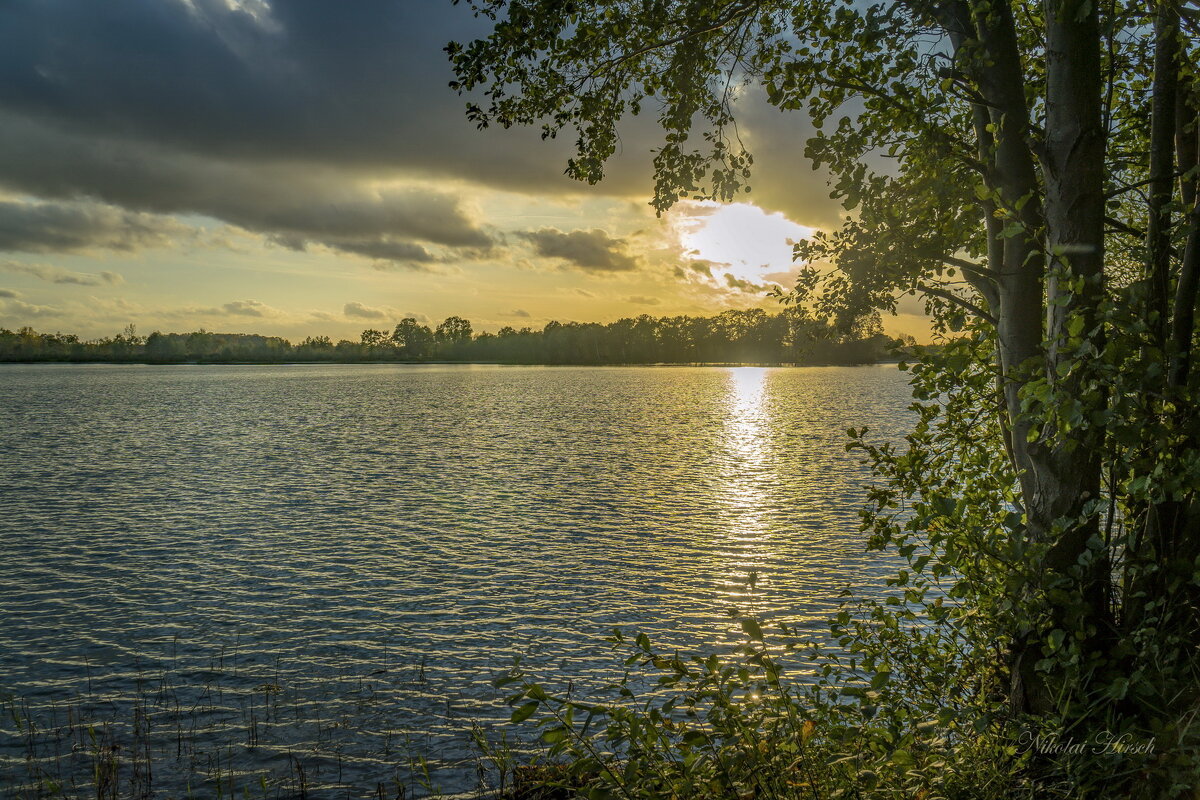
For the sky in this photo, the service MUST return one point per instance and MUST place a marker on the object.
(300, 167)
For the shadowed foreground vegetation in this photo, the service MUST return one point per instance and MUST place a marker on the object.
(731, 337)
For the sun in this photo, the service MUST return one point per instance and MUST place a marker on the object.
(739, 239)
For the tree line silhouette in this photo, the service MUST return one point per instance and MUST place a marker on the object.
(750, 336)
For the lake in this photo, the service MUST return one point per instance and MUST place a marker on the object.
(309, 574)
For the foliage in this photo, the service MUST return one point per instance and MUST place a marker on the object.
(730, 337)
(1031, 170)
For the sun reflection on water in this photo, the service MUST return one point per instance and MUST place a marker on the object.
(748, 482)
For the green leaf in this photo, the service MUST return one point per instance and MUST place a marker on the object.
(524, 712)
(752, 629)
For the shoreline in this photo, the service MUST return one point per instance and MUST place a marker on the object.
(142, 362)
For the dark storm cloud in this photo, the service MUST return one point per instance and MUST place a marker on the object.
(591, 250)
(68, 227)
(275, 116)
(375, 218)
(294, 206)
(355, 85)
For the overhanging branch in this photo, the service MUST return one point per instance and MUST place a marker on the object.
(961, 302)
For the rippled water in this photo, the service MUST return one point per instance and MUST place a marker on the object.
(324, 565)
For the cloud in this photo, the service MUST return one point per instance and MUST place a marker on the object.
(10, 293)
(23, 310)
(161, 102)
(587, 250)
(292, 207)
(297, 121)
(248, 308)
(41, 227)
(298, 82)
(235, 309)
(642, 300)
(387, 251)
(518, 312)
(700, 266)
(53, 274)
(749, 287)
(303, 122)
(360, 311)
(357, 218)
(389, 254)
(781, 181)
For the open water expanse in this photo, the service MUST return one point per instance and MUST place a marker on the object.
(302, 578)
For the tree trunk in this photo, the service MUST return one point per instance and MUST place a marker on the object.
(1162, 167)
(1066, 467)
(1183, 316)
(1163, 558)
(1058, 473)
(999, 74)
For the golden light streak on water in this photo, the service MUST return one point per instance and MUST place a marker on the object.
(747, 486)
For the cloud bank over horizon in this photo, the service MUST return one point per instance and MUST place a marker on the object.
(312, 156)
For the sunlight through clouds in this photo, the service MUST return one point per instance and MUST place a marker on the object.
(741, 239)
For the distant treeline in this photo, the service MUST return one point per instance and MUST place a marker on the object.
(752, 336)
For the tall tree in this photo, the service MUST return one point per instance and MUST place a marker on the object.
(453, 330)
(413, 337)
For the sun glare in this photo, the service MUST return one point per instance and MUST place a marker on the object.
(748, 477)
(740, 239)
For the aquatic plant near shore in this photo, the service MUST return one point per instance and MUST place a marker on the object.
(223, 732)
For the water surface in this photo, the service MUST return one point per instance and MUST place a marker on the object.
(365, 546)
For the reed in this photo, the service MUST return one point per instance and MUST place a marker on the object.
(232, 729)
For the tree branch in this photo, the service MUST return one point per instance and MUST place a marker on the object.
(970, 266)
(961, 302)
(683, 37)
